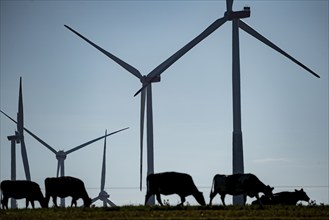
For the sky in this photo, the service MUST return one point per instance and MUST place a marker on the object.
(72, 92)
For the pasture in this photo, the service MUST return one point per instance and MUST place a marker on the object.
(166, 212)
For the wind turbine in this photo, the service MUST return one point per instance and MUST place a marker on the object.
(146, 81)
(19, 138)
(103, 195)
(235, 17)
(61, 154)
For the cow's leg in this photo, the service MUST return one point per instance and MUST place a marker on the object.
(159, 199)
(55, 201)
(4, 202)
(74, 202)
(148, 195)
(26, 203)
(32, 203)
(182, 200)
(47, 200)
(260, 202)
(212, 195)
(222, 197)
(244, 199)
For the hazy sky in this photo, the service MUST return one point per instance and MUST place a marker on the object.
(72, 92)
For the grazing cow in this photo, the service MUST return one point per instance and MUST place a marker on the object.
(285, 198)
(172, 183)
(66, 186)
(20, 189)
(238, 184)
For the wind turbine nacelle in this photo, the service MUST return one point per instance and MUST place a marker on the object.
(14, 138)
(156, 79)
(239, 14)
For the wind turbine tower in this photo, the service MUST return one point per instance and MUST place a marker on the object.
(103, 195)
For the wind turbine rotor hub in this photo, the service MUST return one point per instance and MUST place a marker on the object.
(103, 195)
(61, 155)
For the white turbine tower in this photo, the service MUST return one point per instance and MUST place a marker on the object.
(103, 195)
(235, 17)
(61, 154)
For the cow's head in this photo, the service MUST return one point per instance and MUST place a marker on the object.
(301, 195)
(199, 198)
(87, 202)
(268, 191)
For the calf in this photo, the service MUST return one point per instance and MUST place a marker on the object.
(290, 198)
(20, 189)
(238, 184)
(66, 186)
(172, 183)
(285, 198)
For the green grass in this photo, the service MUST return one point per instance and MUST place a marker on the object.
(184, 213)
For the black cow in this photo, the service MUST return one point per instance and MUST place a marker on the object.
(238, 184)
(20, 189)
(172, 183)
(64, 187)
(285, 198)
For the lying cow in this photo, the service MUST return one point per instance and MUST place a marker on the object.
(238, 184)
(66, 186)
(172, 183)
(285, 198)
(20, 189)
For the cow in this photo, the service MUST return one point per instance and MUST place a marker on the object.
(285, 198)
(168, 183)
(20, 189)
(238, 184)
(66, 186)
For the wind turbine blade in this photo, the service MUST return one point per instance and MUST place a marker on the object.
(110, 203)
(141, 137)
(229, 4)
(25, 160)
(168, 62)
(104, 164)
(125, 65)
(92, 141)
(58, 167)
(20, 116)
(94, 199)
(33, 135)
(260, 37)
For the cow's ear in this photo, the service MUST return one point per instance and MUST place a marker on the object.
(302, 190)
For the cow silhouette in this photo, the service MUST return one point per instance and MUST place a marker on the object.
(66, 186)
(285, 198)
(238, 184)
(20, 189)
(172, 183)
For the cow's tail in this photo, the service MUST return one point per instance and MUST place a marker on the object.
(147, 184)
(213, 186)
(1, 200)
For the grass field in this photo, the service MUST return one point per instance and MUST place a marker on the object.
(188, 212)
